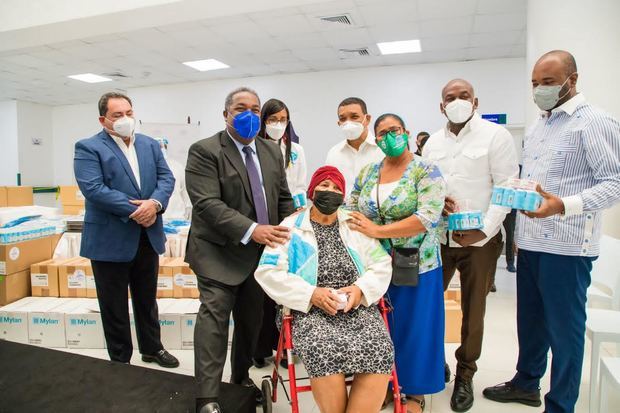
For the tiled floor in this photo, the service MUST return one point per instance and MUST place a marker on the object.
(499, 355)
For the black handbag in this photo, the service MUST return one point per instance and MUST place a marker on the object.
(405, 260)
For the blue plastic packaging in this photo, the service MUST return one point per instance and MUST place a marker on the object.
(508, 197)
(299, 200)
(532, 201)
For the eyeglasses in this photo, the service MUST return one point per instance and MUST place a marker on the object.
(396, 129)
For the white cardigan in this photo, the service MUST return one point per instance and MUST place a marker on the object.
(288, 273)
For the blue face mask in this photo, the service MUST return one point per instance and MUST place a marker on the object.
(247, 124)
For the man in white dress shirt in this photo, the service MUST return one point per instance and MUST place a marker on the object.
(473, 155)
(358, 149)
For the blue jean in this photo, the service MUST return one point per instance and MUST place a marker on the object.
(551, 313)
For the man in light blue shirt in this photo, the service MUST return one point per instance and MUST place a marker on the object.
(573, 152)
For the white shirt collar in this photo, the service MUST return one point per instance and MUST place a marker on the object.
(120, 141)
(240, 146)
(370, 141)
(469, 126)
(570, 106)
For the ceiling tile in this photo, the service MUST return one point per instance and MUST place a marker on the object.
(302, 41)
(455, 41)
(322, 53)
(387, 32)
(297, 24)
(492, 39)
(434, 9)
(391, 12)
(28, 61)
(489, 52)
(442, 27)
(498, 22)
(350, 38)
(501, 6)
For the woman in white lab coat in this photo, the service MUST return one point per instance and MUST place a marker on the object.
(276, 126)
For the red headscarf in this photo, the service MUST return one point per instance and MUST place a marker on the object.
(323, 173)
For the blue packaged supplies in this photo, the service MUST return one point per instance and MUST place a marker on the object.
(517, 194)
(299, 200)
(465, 220)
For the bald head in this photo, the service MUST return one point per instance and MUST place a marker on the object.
(561, 58)
(456, 86)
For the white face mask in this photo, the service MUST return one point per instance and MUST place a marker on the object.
(275, 130)
(546, 97)
(352, 130)
(124, 126)
(459, 110)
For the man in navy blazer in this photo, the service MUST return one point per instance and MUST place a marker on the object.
(127, 183)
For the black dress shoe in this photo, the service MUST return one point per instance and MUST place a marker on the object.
(212, 407)
(163, 358)
(259, 363)
(507, 393)
(462, 396)
(493, 288)
(258, 394)
(446, 373)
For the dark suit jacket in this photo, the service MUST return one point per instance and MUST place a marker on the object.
(108, 183)
(223, 210)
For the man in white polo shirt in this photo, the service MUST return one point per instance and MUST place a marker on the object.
(358, 149)
(473, 155)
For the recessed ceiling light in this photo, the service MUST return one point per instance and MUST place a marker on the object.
(402, 46)
(90, 78)
(208, 64)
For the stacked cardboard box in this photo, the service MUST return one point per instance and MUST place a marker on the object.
(185, 282)
(15, 262)
(12, 196)
(165, 278)
(454, 315)
(72, 200)
(72, 277)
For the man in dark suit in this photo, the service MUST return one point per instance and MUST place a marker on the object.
(239, 194)
(126, 183)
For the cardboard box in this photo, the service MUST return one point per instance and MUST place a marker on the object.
(170, 323)
(44, 278)
(73, 209)
(20, 256)
(165, 283)
(14, 287)
(72, 278)
(46, 321)
(14, 321)
(185, 282)
(83, 327)
(454, 318)
(454, 295)
(12, 196)
(188, 323)
(71, 195)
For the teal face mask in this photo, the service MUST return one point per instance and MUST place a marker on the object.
(393, 144)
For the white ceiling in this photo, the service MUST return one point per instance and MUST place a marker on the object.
(282, 40)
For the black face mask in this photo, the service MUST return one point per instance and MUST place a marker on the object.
(327, 202)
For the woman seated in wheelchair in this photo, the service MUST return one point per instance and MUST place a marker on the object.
(332, 277)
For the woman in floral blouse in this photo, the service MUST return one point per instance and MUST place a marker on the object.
(411, 196)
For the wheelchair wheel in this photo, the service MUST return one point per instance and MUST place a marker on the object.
(266, 390)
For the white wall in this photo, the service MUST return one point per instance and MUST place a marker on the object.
(70, 124)
(9, 166)
(36, 162)
(414, 92)
(595, 47)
